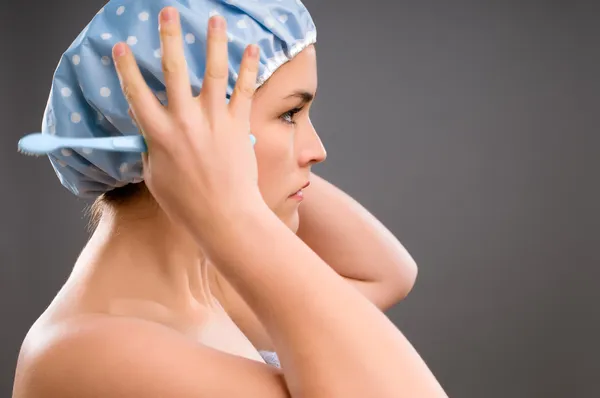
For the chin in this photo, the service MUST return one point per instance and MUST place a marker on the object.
(291, 219)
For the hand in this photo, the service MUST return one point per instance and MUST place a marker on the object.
(200, 159)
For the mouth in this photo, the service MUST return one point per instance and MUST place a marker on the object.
(299, 194)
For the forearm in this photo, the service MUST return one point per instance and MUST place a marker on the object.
(354, 242)
(331, 341)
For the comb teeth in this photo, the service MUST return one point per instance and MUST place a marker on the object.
(30, 154)
(27, 153)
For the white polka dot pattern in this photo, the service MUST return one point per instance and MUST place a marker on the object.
(86, 99)
(105, 92)
(190, 38)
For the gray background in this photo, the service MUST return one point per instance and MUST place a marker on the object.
(469, 128)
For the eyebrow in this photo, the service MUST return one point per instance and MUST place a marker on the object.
(305, 96)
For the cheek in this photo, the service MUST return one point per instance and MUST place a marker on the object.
(274, 157)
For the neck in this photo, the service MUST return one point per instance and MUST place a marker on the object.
(140, 255)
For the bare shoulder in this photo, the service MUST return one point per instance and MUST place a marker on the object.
(94, 356)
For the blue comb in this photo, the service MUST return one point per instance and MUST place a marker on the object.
(38, 144)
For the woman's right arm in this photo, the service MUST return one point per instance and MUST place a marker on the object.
(331, 341)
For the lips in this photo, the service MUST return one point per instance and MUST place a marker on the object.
(299, 192)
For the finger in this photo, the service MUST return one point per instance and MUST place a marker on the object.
(144, 105)
(245, 87)
(214, 86)
(177, 81)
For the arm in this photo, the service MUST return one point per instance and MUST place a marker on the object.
(351, 241)
(104, 356)
(319, 329)
(355, 244)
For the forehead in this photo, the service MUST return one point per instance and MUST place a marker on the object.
(298, 74)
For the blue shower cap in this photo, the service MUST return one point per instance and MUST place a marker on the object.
(86, 98)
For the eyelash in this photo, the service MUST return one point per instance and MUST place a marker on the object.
(289, 115)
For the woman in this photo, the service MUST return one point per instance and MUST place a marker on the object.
(191, 273)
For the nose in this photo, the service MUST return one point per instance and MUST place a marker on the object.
(311, 149)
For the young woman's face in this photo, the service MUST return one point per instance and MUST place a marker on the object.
(287, 143)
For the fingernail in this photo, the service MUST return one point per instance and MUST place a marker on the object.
(120, 50)
(253, 50)
(168, 14)
(217, 22)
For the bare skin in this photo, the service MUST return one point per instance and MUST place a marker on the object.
(140, 316)
(352, 242)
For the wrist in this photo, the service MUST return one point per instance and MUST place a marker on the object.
(226, 220)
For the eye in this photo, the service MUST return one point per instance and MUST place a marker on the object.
(288, 117)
